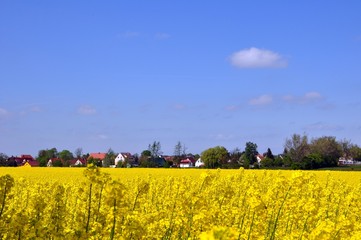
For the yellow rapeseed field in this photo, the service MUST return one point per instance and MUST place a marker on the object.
(93, 203)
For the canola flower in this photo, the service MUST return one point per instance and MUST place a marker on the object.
(178, 204)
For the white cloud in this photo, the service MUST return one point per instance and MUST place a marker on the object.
(320, 126)
(102, 136)
(233, 108)
(306, 98)
(261, 100)
(86, 110)
(3, 112)
(162, 36)
(222, 137)
(130, 34)
(311, 96)
(31, 109)
(179, 107)
(257, 58)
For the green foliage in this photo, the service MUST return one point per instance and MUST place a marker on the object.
(65, 155)
(95, 162)
(109, 158)
(355, 152)
(58, 163)
(297, 147)
(45, 155)
(3, 159)
(215, 157)
(251, 152)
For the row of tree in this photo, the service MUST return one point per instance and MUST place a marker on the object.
(299, 153)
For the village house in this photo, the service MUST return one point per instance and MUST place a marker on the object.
(199, 163)
(24, 159)
(98, 155)
(187, 162)
(71, 163)
(124, 157)
(345, 161)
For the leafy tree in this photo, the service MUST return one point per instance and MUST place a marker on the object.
(58, 163)
(355, 152)
(297, 147)
(3, 159)
(214, 157)
(66, 156)
(234, 156)
(251, 152)
(268, 160)
(109, 158)
(327, 150)
(45, 155)
(144, 156)
(146, 153)
(95, 161)
(244, 161)
(269, 154)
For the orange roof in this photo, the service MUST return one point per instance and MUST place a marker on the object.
(100, 156)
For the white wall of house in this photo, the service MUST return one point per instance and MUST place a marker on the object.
(185, 165)
(119, 158)
(199, 163)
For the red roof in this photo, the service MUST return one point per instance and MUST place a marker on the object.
(188, 160)
(20, 161)
(81, 160)
(32, 163)
(26, 157)
(100, 156)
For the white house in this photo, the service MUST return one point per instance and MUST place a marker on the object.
(122, 157)
(186, 163)
(344, 161)
(199, 163)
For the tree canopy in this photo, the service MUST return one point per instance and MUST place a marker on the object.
(214, 157)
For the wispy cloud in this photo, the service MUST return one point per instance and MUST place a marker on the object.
(257, 58)
(129, 34)
(4, 113)
(308, 97)
(102, 136)
(179, 106)
(261, 100)
(321, 126)
(162, 36)
(358, 38)
(233, 108)
(86, 110)
(31, 109)
(222, 137)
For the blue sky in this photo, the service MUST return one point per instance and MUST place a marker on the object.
(122, 74)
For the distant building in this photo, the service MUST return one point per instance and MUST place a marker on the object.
(187, 162)
(24, 159)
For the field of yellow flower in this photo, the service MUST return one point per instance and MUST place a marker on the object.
(93, 203)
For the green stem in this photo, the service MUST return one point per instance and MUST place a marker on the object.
(114, 219)
(3, 201)
(250, 227)
(278, 214)
(89, 207)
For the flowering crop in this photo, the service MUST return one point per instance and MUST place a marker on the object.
(58, 203)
